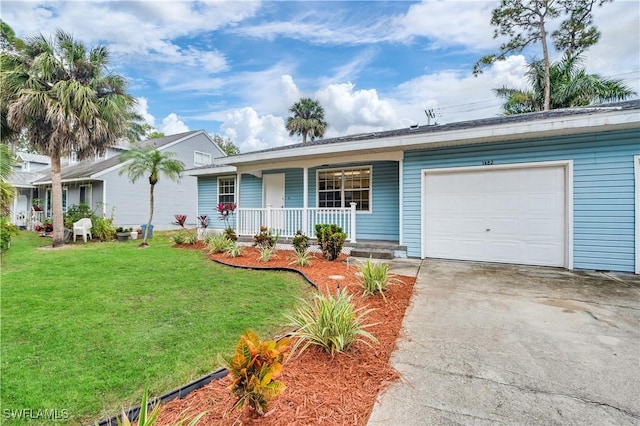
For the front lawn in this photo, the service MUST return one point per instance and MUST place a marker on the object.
(86, 328)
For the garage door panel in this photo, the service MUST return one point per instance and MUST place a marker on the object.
(508, 215)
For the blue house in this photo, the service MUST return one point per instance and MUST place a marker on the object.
(557, 188)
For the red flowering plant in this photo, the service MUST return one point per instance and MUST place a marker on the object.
(180, 220)
(225, 210)
(204, 221)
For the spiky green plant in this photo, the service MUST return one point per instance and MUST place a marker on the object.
(191, 238)
(300, 258)
(375, 277)
(266, 254)
(150, 418)
(234, 250)
(145, 418)
(331, 322)
(179, 238)
(253, 367)
(217, 243)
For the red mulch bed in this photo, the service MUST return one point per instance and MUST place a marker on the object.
(320, 389)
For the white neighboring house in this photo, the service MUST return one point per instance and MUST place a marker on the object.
(97, 183)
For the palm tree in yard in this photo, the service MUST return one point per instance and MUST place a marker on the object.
(571, 86)
(7, 192)
(148, 160)
(61, 95)
(307, 119)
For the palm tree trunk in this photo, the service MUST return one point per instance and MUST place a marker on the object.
(146, 231)
(304, 136)
(547, 68)
(56, 201)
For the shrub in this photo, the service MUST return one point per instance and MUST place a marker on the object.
(375, 277)
(266, 254)
(230, 234)
(300, 258)
(191, 238)
(331, 239)
(7, 229)
(179, 238)
(333, 323)
(103, 229)
(253, 367)
(234, 250)
(217, 243)
(76, 212)
(300, 242)
(265, 238)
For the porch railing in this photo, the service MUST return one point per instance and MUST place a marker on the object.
(287, 221)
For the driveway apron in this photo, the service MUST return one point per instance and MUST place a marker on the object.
(486, 344)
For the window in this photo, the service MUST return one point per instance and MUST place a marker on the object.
(85, 194)
(201, 158)
(73, 157)
(65, 193)
(226, 190)
(338, 188)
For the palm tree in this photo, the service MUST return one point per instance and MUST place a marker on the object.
(571, 86)
(7, 192)
(60, 95)
(148, 160)
(307, 119)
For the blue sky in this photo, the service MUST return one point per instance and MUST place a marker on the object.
(234, 68)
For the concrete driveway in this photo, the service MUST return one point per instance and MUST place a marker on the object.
(488, 344)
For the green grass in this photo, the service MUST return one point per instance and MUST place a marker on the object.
(86, 328)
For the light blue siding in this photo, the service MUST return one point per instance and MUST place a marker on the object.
(293, 188)
(208, 201)
(382, 222)
(250, 192)
(603, 189)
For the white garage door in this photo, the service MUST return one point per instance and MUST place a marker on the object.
(502, 215)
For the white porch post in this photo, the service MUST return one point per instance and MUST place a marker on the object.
(401, 203)
(353, 222)
(268, 214)
(237, 200)
(305, 200)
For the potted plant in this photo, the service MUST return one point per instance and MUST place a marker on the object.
(204, 224)
(37, 204)
(122, 234)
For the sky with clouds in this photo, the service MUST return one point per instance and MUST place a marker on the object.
(234, 68)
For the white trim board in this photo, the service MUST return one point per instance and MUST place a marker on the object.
(636, 172)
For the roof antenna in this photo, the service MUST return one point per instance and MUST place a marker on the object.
(430, 114)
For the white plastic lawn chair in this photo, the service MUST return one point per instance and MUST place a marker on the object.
(82, 228)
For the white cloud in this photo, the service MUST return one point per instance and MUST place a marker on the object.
(142, 108)
(171, 125)
(457, 95)
(348, 111)
(252, 132)
(447, 23)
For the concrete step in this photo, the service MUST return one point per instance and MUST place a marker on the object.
(375, 253)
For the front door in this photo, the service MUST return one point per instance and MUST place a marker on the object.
(273, 186)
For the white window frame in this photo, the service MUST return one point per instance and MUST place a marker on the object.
(197, 163)
(65, 201)
(73, 157)
(235, 188)
(342, 186)
(88, 189)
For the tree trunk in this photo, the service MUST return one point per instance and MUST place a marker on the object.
(304, 137)
(547, 67)
(56, 201)
(146, 231)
